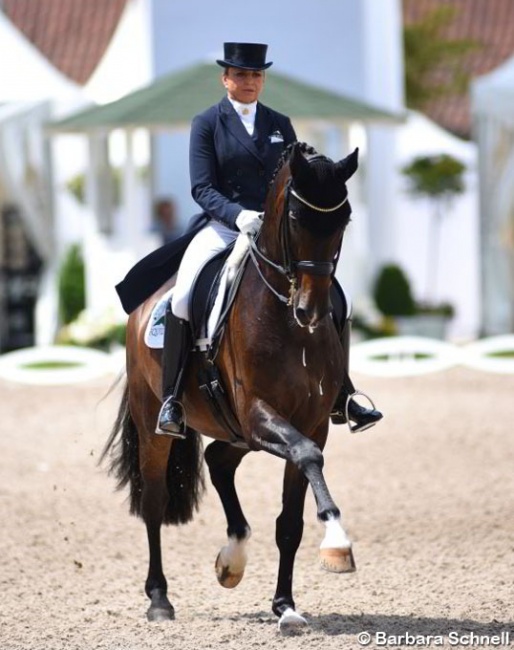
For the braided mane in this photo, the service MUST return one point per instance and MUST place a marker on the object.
(304, 148)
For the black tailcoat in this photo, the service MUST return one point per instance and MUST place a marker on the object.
(230, 171)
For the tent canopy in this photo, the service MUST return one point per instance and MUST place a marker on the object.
(176, 98)
(493, 94)
(493, 114)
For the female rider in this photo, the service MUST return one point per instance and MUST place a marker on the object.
(235, 147)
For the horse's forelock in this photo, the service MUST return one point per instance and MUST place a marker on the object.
(323, 187)
(284, 159)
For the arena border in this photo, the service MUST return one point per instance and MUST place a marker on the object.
(90, 364)
(402, 356)
(397, 356)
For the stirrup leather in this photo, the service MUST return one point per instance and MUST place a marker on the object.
(356, 428)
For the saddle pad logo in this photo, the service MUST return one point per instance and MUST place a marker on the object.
(154, 334)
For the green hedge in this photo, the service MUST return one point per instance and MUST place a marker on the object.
(72, 285)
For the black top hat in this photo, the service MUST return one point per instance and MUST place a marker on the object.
(249, 56)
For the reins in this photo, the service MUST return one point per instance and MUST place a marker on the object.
(291, 267)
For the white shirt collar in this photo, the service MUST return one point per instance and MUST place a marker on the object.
(245, 111)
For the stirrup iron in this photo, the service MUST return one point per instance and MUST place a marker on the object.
(356, 428)
(177, 435)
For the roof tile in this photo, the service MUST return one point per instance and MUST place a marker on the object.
(72, 34)
(491, 24)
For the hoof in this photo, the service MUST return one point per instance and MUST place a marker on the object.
(157, 614)
(160, 608)
(291, 623)
(337, 560)
(225, 577)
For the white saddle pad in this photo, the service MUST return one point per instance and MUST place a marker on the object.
(154, 334)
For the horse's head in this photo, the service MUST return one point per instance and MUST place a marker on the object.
(311, 212)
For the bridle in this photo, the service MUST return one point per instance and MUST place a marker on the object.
(290, 267)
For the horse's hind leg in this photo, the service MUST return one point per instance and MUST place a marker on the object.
(223, 459)
(289, 530)
(154, 452)
(153, 504)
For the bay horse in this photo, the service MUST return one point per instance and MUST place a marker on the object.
(281, 362)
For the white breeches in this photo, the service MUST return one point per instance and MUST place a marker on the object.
(210, 240)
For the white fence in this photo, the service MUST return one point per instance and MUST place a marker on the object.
(387, 357)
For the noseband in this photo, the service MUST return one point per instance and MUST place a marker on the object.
(292, 267)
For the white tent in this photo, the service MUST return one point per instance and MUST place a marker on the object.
(493, 115)
(29, 88)
(32, 91)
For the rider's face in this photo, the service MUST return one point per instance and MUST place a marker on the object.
(243, 85)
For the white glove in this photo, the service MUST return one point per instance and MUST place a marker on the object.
(249, 222)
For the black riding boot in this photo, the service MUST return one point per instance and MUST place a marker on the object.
(364, 418)
(177, 346)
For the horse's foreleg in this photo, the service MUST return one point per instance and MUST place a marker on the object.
(223, 459)
(153, 504)
(335, 553)
(272, 433)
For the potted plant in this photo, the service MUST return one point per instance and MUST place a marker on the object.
(402, 314)
(393, 297)
(439, 179)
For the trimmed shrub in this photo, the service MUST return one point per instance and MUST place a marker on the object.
(72, 285)
(392, 292)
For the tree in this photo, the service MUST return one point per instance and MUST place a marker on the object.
(433, 63)
(440, 179)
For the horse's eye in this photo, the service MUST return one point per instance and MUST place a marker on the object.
(292, 215)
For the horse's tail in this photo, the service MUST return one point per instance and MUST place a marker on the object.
(185, 479)
(184, 474)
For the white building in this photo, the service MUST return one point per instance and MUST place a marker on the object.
(353, 47)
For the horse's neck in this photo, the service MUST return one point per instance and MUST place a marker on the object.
(269, 239)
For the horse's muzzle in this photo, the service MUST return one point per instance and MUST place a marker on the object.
(309, 315)
(306, 318)
(312, 300)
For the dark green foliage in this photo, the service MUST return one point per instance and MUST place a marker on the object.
(392, 292)
(115, 334)
(439, 176)
(72, 290)
(371, 331)
(433, 63)
(118, 333)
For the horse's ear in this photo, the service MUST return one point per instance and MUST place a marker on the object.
(298, 164)
(347, 167)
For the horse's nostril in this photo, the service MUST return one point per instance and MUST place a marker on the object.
(302, 316)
